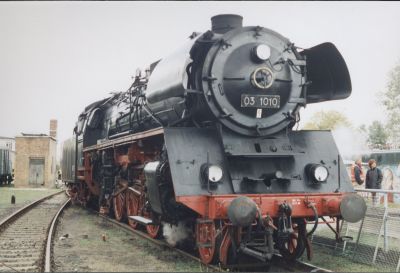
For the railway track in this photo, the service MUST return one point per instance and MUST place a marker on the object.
(277, 264)
(23, 235)
(26, 241)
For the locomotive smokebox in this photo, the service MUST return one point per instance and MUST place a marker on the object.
(224, 22)
(242, 211)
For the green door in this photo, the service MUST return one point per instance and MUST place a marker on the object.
(36, 171)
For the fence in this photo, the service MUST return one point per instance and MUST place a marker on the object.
(376, 238)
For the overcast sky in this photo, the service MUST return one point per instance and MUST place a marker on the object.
(58, 57)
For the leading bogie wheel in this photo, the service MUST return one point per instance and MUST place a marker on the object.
(206, 241)
(119, 206)
(132, 207)
(155, 230)
(295, 246)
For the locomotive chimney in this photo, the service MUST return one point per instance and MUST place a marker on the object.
(224, 22)
(53, 128)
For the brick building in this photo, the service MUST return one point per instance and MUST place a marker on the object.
(35, 159)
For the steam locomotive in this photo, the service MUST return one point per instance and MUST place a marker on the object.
(205, 137)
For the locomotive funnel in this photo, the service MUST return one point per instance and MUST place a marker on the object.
(224, 22)
(242, 211)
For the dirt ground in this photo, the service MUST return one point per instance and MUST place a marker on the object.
(85, 250)
(22, 197)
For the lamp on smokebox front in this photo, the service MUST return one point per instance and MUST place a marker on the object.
(261, 53)
(318, 173)
(212, 173)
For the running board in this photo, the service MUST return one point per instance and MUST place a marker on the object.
(141, 220)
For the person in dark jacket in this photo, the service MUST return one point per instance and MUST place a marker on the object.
(373, 179)
(358, 172)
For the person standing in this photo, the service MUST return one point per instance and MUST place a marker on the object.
(358, 172)
(373, 179)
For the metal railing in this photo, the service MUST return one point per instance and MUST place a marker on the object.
(376, 238)
(386, 215)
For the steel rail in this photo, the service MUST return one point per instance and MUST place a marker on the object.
(6, 222)
(49, 242)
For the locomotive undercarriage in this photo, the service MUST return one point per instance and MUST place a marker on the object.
(221, 242)
(117, 174)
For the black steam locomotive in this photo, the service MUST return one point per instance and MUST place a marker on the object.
(204, 137)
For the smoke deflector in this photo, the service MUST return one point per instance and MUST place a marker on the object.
(328, 73)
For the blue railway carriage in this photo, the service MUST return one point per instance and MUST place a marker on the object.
(388, 161)
(6, 167)
(68, 161)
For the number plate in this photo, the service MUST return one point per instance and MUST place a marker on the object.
(260, 101)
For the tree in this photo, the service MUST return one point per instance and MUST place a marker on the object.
(362, 134)
(362, 128)
(328, 120)
(377, 135)
(391, 102)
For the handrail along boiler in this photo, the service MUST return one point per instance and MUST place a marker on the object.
(205, 138)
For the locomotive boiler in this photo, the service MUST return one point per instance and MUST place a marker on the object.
(205, 137)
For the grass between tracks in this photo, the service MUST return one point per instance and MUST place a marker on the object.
(84, 249)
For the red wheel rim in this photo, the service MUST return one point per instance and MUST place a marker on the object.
(119, 202)
(205, 236)
(153, 230)
(132, 207)
(292, 243)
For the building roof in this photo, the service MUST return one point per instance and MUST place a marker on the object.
(2, 137)
(35, 135)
